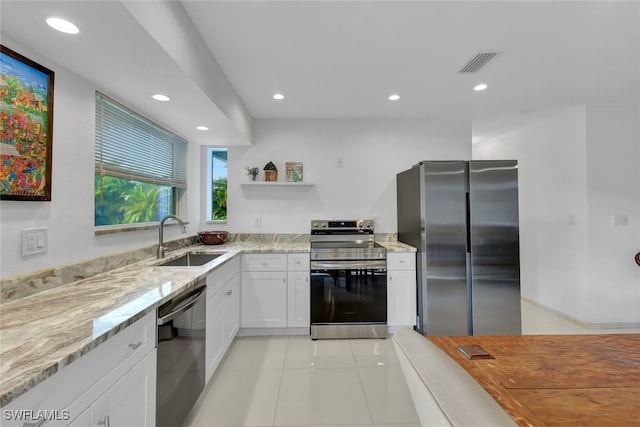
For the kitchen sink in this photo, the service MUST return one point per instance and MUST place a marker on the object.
(189, 260)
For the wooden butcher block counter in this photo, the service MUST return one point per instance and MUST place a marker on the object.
(557, 380)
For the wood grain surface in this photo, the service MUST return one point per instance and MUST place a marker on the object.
(558, 380)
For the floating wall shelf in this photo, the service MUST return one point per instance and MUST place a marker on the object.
(277, 184)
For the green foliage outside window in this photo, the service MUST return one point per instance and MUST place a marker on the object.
(219, 199)
(123, 201)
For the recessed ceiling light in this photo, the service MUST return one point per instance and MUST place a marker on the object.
(202, 128)
(278, 96)
(480, 86)
(161, 97)
(394, 97)
(62, 25)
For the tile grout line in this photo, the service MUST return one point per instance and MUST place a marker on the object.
(284, 360)
(364, 393)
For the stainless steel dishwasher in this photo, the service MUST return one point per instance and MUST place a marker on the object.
(181, 356)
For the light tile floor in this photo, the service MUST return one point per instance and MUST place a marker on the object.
(294, 381)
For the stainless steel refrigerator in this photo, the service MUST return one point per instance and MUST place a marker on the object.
(462, 216)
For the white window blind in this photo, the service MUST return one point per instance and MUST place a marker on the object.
(132, 147)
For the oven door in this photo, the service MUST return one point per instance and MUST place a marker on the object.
(348, 292)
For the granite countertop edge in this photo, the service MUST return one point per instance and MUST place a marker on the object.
(43, 333)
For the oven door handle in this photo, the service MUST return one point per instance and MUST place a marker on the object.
(348, 265)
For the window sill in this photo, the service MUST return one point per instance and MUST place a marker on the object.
(113, 229)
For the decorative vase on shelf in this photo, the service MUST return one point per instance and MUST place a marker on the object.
(252, 171)
(270, 172)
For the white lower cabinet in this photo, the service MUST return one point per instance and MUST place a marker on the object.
(131, 401)
(401, 289)
(264, 299)
(231, 309)
(215, 342)
(275, 290)
(298, 302)
(298, 290)
(116, 380)
(223, 313)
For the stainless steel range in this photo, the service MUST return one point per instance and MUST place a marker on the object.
(348, 280)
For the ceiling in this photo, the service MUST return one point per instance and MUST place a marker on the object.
(342, 59)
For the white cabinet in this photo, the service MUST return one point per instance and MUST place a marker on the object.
(116, 379)
(231, 309)
(275, 290)
(298, 290)
(264, 299)
(401, 289)
(223, 313)
(131, 401)
(215, 342)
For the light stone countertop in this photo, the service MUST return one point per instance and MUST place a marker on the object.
(42, 333)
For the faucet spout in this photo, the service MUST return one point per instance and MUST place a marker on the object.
(161, 247)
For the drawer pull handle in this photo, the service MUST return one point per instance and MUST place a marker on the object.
(228, 293)
(37, 424)
(105, 422)
(136, 345)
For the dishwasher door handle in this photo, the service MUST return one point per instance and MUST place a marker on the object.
(184, 306)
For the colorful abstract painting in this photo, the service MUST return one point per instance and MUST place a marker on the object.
(26, 119)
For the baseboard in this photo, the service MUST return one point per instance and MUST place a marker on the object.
(584, 324)
(262, 332)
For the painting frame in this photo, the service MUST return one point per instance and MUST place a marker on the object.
(26, 128)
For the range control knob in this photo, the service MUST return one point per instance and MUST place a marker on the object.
(360, 223)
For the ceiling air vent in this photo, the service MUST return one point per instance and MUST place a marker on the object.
(476, 63)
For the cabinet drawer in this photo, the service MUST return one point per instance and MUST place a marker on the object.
(298, 262)
(221, 276)
(264, 262)
(401, 260)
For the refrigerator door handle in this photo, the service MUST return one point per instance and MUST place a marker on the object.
(468, 213)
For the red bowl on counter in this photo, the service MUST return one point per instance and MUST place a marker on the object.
(213, 237)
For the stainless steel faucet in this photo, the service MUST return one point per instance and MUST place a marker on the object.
(161, 247)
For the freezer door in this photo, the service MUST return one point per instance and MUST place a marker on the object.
(495, 255)
(445, 289)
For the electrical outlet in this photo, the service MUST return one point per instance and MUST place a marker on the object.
(340, 162)
(34, 241)
(257, 222)
(620, 220)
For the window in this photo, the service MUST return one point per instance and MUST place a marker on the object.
(140, 167)
(216, 184)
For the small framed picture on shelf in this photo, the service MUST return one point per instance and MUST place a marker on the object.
(293, 171)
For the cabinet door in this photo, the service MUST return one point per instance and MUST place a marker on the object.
(132, 400)
(298, 302)
(264, 299)
(231, 310)
(215, 342)
(83, 420)
(401, 298)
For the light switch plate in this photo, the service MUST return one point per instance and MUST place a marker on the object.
(34, 241)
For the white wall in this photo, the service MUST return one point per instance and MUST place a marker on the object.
(374, 151)
(70, 214)
(575, 169)
(613, 179)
